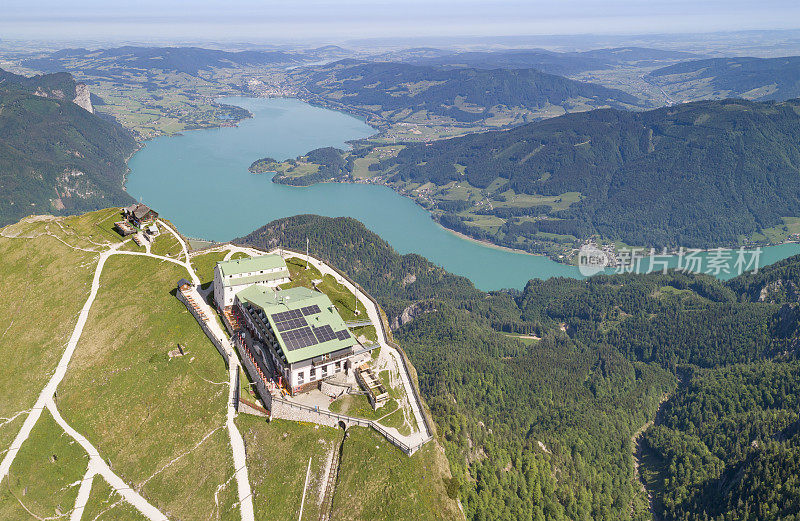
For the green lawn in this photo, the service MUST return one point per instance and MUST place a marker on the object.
(523, 339)
(44, 474)
(378, 482)
(167, 245)
(358, 405)
(159, 422)
(105, 504)
(277, 461)
(204, 265)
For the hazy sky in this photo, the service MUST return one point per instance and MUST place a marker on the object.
(343, 19)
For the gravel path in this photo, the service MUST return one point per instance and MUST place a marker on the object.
(96, 463)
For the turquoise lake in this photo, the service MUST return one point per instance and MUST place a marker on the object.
(199, 180)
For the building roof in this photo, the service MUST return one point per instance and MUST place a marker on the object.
(254, 279)
(250, 264)
(140, 210)
(327, 330)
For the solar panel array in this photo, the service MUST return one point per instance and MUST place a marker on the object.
(298, 338)
(296, 332)
(293, 323)
(324, 333)
(287, 320)
(286, 315)
(310, 310)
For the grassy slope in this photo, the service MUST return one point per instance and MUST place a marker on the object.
(45, 475)
(277, 460)
(204, 265)
(149, 416)
(377, 482)
(106, 505)
(45, 284)
(141, 409)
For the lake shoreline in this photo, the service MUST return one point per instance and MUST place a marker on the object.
(201, 181)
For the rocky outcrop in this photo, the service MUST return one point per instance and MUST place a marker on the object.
(83, 98)
(781, 290)
(412, 311)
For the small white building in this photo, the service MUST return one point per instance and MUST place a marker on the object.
(232, 276)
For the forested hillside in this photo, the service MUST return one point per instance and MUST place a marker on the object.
(396, 92)
(703, 174)
(728, 447)
(750, 78)
(732, 167)
(544, 430)
(55, 157)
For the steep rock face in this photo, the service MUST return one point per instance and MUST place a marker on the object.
(781, 290)
(411, 312)
(83, 97)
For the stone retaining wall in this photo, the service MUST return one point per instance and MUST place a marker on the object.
(333, 390)
(248, 408)
(261, 388)
(203, 324)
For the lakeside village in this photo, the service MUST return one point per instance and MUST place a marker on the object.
(302, 358)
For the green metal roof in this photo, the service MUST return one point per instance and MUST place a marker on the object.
(272, 302)
(238, 281)
(248, 264)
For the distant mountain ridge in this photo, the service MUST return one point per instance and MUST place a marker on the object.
(189, 60)
(775, 79)
(55, 156)
(463, 94)
(552, 62)
(702, 175)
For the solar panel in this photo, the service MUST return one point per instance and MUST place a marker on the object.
(343, 334)
(287, 315)
(287, 320)
(310, 310)
(324, 333)
(298, 338)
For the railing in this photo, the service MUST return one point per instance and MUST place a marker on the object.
(354, 421)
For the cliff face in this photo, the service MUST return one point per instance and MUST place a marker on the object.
(83, 97)
(411, 312)
(60, 86)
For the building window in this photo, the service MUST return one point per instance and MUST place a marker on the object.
(300, 378)
(312, 373)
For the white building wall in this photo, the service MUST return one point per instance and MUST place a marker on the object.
(330, 370)
(224, 295)
(218, 291)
